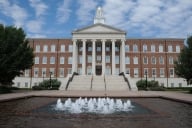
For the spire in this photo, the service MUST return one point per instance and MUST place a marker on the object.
(99, 17)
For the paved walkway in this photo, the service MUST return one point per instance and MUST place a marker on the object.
(178, 96)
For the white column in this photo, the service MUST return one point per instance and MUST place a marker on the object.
(93, 56)
(74, 64)
(103, 57)
(84, 57)
(113, 57)
(123, 56)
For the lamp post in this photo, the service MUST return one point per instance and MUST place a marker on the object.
(146, 79)
(50, 73)
(43, 75)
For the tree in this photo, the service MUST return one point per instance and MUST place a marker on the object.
(15, 54)
(183, 66)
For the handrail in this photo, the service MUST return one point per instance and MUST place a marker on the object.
(105, 82)
(91, 82)
(126, 80)
(70, 79)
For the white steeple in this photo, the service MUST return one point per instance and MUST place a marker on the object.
(99, 18)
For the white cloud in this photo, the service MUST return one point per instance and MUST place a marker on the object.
(34, 26)
(17, 13)
(63, 11)
(85, 11)
(39, 6)
(151, 18)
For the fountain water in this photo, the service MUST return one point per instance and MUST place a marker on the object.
(93, 105)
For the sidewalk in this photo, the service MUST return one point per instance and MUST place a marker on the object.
(177, 96)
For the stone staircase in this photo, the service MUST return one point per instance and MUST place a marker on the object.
(98, 83)
(80, 83)
(116, 83)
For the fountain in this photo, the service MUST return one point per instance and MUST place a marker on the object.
(93, 105)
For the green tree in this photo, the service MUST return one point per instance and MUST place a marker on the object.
(15, 54)
(183, 66)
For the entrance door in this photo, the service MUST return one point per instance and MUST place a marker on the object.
(98, 70)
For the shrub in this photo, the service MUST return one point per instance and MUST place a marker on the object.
(5, 89)
(151, 85)
(36, 87)
(47, 85)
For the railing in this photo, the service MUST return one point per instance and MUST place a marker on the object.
(91, 82)
(70, 79)
(105, 82)
(126, 80)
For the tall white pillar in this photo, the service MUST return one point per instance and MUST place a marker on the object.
(74, 64)
(103, 57)
(123, 56)
(84, 57)
(93, 56)
(113, 57)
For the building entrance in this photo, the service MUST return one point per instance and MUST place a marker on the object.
(98, 70)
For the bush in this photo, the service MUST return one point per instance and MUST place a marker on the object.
(190, 91)
(47, 85)
(151, 85)
(5, 89)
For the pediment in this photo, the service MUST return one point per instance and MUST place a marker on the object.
(99, 28)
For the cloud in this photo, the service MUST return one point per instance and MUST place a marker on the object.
(17, 13)
(39, 6)
(63, 11)
(152, 18)
(85, 11)
(34, 26)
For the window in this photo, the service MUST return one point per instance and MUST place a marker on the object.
(89, 59)
(27, 73)
(70, 60)
(44, 60)
(18, 84)
(107, 48)
(160, 48)
(36, 72)
(126, 48)
(152, 48)
(26, 84)
(116, 59)
(172, 85)
(98, 48)
(153, 72)
(52, 60)
(43, 73)
(162, 72)
(178, 48)
(171, 72)
(116, 48)
(52, 71)
(70, 48)
(145, 60)
(52, 48)
(98, 58)
(144, 48)
(89, 48)
(107, 59)
(127, 60)
(89, 70)
(36, 60)
(135, 60)
(79, 71)
(135, 48)
(80, 48)
(127, 70)
(45, 48)
(62, 48)
(170, 60)
(37, 48)
(117, 71)
(136, 72)
(80, 59)
(161, 60)
(62, 60)
(108, 70)
(69, 70)
(170, 48)
(153, 60)
(61, 72)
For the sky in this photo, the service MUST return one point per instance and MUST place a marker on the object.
(139, 18)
